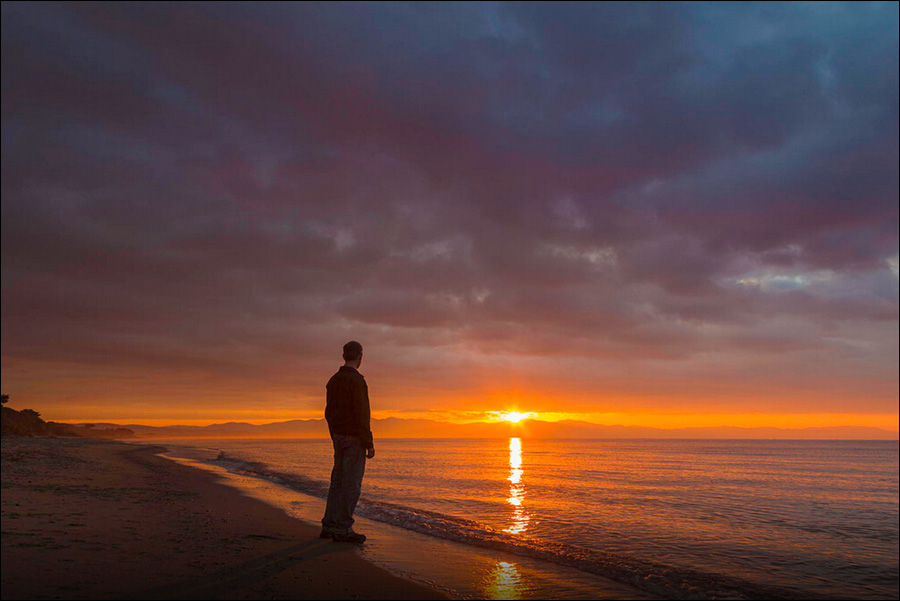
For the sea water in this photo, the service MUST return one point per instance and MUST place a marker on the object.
(674, 518)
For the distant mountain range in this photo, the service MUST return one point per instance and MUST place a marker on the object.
(393, 427)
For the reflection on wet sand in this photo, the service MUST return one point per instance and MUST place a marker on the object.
(520, 517)
(505, 582)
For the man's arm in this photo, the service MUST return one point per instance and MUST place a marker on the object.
(364, 416)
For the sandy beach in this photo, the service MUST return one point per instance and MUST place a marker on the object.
(88, 518)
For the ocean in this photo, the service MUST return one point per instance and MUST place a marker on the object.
(523, 518)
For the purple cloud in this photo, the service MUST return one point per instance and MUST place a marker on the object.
(232, 190)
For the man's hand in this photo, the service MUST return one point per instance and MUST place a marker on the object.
(370, 452)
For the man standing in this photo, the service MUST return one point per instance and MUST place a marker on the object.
(348, 415)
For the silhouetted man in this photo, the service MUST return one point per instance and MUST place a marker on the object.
(348, 415)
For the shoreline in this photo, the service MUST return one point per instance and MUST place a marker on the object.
(88, 518)
(465, 570)
(409, 531)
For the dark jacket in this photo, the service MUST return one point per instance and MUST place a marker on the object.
(347, 405)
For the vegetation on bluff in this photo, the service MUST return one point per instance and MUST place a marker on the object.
(28, 422)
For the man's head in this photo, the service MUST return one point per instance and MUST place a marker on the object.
(353, 352)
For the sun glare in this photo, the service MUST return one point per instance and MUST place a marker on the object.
(516, 416)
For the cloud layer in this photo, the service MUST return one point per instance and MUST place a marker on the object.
(589, 206)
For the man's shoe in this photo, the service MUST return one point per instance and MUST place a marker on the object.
(348, 537)
(327, 532)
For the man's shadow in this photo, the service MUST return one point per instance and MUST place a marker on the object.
(238, 576)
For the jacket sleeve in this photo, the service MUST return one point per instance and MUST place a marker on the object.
(364, 414)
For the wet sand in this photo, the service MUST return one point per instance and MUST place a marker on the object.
(101, 519)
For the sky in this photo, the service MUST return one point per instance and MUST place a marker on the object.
(655, 214)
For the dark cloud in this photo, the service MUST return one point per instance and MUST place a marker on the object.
(233, 189)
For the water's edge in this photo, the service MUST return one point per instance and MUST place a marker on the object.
(654, 578)
(211, 466)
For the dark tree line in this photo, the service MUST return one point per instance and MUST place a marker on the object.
(28, 422)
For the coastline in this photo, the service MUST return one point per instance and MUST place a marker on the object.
(87, 518)
(464, 570)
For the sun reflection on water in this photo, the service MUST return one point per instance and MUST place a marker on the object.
(520, 517)
(504, 582)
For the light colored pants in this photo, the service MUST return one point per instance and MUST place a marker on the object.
(346, 482)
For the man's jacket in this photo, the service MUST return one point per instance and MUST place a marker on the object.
(347, 405)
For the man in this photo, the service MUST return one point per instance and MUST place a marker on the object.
(348, 415)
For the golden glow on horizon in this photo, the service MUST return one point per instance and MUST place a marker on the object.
(124, 413)
(669, 420)
(71, 392)
(887, 422)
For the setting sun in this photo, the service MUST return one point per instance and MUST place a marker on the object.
(516, 416)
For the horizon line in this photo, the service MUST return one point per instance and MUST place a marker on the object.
(519, 424)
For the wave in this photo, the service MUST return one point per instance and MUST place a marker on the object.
(659, 579)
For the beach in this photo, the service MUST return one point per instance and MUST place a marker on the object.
(601, 519)
(85, 518)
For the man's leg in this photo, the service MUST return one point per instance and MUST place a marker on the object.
(353, 466)
(329, 522)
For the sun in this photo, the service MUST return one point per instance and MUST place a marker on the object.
(516, 416)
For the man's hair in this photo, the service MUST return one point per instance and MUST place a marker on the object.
(352, 351)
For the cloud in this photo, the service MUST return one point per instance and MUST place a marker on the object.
(232, 189)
